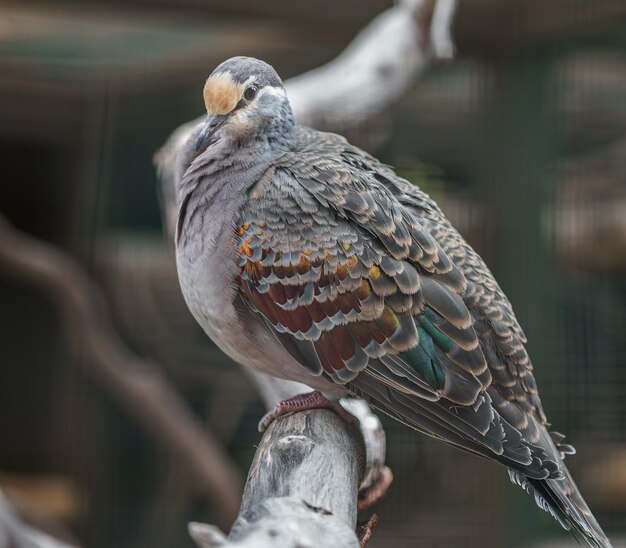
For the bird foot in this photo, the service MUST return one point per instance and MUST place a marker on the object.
(364, 530)
(303, 402)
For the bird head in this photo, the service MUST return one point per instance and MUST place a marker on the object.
(244, 98)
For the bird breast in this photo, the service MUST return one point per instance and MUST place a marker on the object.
(208, 274)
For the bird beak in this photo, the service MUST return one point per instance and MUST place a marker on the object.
(212, 124)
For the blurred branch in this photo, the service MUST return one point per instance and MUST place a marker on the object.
(137, 384)
(16, 534)
(379, 65)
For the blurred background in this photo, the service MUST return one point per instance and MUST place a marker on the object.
(522, 141)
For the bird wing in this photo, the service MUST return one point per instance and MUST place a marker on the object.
(356, 287)
(502, 338)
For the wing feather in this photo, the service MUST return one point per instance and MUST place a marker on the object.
(364, 281)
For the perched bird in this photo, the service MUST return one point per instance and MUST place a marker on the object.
(305, 258)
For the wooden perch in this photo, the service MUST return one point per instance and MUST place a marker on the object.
(311, 473)
(302, 487)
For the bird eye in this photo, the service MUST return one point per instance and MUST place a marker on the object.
(250, 93)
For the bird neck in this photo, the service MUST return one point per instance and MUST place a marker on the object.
(277, 131)
(232, 160)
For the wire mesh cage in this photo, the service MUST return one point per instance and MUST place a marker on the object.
(521, 140)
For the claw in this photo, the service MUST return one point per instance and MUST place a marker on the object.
(376, 491)
(365, 529)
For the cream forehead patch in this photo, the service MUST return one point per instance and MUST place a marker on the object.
(221, 94)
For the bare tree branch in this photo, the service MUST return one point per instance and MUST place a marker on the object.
(137, 384)
(301, 489)
(379, 65)
(441, 29)
(16, 534)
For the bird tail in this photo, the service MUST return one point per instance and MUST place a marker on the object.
(562, 499)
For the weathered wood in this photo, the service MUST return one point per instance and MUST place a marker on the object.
(302, 487)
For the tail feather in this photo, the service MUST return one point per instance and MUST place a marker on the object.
(561, 498)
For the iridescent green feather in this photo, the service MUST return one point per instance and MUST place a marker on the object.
(442, 341)
(425, 361)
